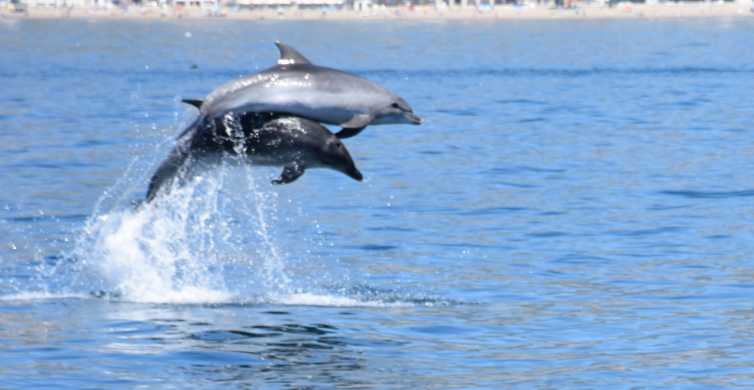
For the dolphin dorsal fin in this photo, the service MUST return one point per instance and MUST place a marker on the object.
(194, 102)
(290, 56)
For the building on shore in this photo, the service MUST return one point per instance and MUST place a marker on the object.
(276, 4)
(218, 7)
(70, 3)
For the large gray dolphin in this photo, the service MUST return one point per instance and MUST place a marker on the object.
(297, 87)
(261, 138)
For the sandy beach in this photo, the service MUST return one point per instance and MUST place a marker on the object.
(428, 12)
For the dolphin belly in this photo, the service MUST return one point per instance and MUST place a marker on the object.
(311, 105)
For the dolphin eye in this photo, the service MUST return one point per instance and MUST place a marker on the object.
(395, 105)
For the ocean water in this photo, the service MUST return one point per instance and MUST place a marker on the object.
(575, 212)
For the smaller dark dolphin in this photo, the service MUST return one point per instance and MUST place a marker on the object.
(268, 139)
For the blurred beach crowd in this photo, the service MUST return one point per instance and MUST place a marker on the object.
(375, 9)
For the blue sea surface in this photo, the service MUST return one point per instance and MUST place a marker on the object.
(575, 212)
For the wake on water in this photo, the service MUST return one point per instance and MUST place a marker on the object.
(212, 240)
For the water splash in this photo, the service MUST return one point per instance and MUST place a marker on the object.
(215, 239)
(178, 248)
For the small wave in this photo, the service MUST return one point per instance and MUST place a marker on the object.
(710, 194)
(44, 217)
(673, 71)
(199, 296)
(202, 296)
(41, 296)
(647, 232)
(522, 169)
(190, 295)
(313, 299)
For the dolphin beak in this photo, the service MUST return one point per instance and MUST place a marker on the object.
(412, 118)
(354, 173)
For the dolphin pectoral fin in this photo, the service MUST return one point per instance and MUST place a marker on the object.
(290, 56)
(291, 172)
(356, 124)
(348, 132)
(194, 102)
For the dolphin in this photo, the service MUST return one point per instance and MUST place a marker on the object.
(297, 87)
(268, 139)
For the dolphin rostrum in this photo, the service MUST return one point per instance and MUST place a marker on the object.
(297, 87)
(260, 138)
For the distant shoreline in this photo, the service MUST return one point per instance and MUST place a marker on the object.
(500, 12)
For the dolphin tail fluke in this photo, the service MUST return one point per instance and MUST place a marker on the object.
(172, 166)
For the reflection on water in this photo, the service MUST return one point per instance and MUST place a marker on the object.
(212, 343)
(313, 353)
